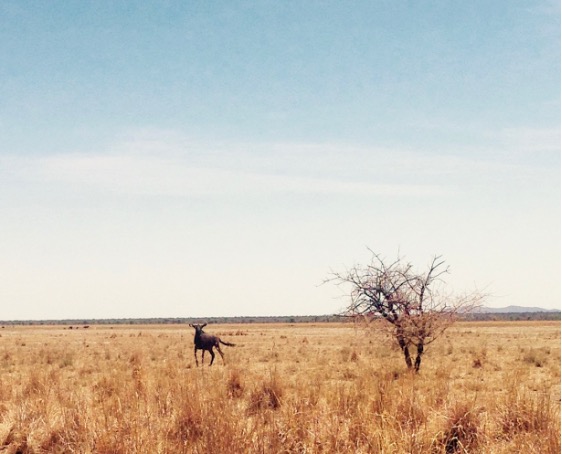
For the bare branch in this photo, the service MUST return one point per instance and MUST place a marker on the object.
(410, 302)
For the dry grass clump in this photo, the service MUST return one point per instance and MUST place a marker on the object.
(535, 356)
(235, 385)
(188, 424)
(15, 442)
(325, 388)
(524, 413)
(267, 395)
(462, 430)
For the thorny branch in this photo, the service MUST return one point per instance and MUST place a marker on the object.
(414, 304)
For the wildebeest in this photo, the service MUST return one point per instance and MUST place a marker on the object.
(204, 341)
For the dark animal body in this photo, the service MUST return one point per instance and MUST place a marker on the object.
(206, 342)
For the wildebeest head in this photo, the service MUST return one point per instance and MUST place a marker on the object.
(198, 328)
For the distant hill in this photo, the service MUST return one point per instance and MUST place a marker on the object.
(514, 310)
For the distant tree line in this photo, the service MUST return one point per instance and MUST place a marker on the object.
(512, 316)
(181, 320)
(82, 323)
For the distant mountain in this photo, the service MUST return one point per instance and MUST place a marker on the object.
(514, 309)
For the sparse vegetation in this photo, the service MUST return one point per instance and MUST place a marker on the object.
(413, 305)
(286, 388)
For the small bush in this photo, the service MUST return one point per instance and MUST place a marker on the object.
(535, 357)
(267, 396)
(235, 385)
(462, 430)
(522, 413)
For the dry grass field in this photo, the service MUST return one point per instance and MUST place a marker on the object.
(483, 388)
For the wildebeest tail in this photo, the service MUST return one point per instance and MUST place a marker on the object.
(226, 343)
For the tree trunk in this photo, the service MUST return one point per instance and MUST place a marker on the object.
(418, 356)
(405, 350)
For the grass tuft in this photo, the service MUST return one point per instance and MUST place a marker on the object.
(266, 396)
(462, 430)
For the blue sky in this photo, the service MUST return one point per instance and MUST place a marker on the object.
(174, 159)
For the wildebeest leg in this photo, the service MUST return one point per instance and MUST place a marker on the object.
(195, 351)
(203, 357)
(212, 356)
(220, 351)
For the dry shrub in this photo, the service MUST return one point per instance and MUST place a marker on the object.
(188, 427)
(379, 398)
(535, 357)
(53, 442)
(15, 442)
(462, 430)
(348, 399)
(345, 352)
(267, 396)
(66, 360)
(235, 385)
(35, 385)
(7, 359)
(477, 363)
(348, 374)
(135, 359)
(410, 413)
(104, 388)
(522, 413)
(358, 432)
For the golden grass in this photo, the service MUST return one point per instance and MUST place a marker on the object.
(483, 388)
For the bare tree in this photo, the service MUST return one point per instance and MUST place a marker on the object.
(414, 304)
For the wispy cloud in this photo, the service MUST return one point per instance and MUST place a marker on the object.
(172, 176)
(166, 163)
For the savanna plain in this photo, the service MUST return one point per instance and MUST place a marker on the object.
(483, 387)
